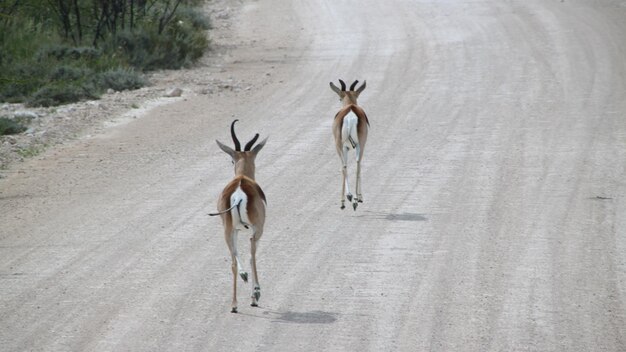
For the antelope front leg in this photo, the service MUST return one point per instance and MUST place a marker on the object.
(256, 287)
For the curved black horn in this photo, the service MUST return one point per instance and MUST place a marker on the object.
(354, 85)
(343, 85)
(251, 143)
(235, 140)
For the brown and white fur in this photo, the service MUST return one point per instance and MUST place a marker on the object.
(350, 130)
(241, 205)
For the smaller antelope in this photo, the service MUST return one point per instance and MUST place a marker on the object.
(241, 205)
(350, 130)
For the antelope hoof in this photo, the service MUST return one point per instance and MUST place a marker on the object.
(354, 205)
(349, 196)
(359, 199)
(343, 206)
(233, 310)
(257, 294)
(244, 276)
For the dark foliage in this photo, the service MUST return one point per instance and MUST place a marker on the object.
(56, 52)
(9, 126)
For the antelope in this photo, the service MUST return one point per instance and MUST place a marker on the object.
(241, 205)
(350, 131)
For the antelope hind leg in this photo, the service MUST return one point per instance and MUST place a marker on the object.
(256, 287)
(359, 196)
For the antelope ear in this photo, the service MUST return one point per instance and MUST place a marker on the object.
(335, 88)
(228, 150)
(259, 146)
(361, 88)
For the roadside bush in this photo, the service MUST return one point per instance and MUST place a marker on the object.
(9, 126)
(151, 45)
(57, 52)
(19, 75)
(61, 53)
(62, 93)
(196, 19)
(145, 49)
(18, 81)
(119, 79)
(68, 73)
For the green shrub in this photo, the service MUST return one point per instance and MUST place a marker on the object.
(61, 52)
(62, 93)
(19, 75)
(119, 79)
(9, 126)
(54, 52)
(145, 49)
(68, 73)
(30, 151)
(18, 81)
(195, 18)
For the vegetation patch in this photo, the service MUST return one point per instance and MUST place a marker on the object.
(58, 52)
(30, 151)
(10, 126)
(119, 79)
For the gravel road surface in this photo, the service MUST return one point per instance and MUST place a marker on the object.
(494, 182)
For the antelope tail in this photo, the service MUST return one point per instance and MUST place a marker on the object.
(227, 210)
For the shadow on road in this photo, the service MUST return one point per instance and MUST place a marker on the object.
(395, 217)
(406, 217)
(314, 317)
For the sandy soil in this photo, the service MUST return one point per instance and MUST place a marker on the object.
(494, 184)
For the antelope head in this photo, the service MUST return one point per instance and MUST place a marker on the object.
(243, 159)
(348, 97)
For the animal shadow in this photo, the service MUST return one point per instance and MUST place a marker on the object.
(406, 217)
(394, 216)
(314, 317)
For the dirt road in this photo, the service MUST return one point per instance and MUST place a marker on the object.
(494, 183)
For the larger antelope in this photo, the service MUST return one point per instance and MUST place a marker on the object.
(350, 131)
(241, 205)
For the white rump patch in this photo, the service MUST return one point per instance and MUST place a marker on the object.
(349, 134)
(240, 214)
